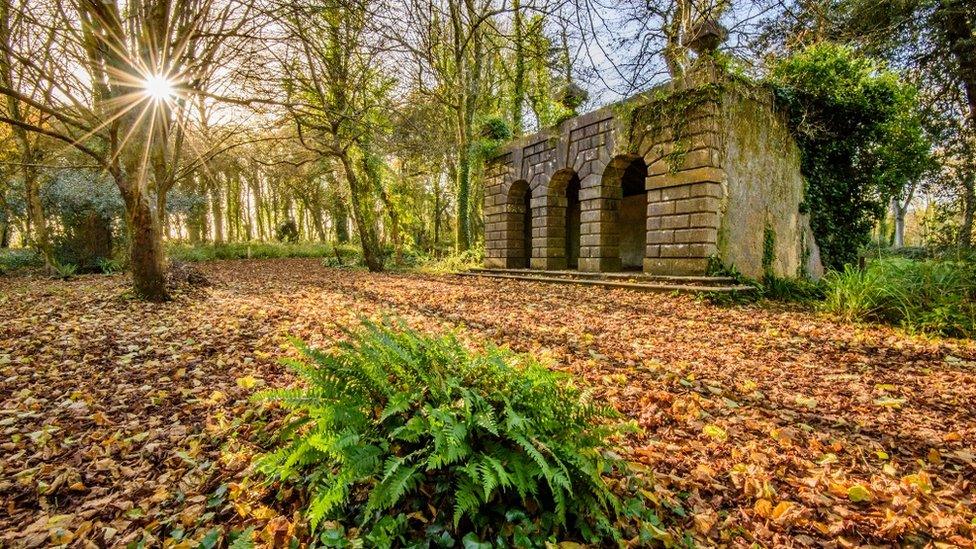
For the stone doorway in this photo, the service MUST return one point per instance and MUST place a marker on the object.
(573, 211)
(527, 226)
(518, 225)
(632, 219)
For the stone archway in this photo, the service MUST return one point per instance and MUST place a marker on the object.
(620, 216)
(632, 219)
(518, 225)
(573, 222)
(560, 222)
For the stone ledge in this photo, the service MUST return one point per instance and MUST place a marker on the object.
(686, 177)
(675, 266)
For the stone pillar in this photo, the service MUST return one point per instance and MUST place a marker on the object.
(496, 250)
(684, 193)
(599, 205)
(549, 232)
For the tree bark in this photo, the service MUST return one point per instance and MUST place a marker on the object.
(518, 78)
(218, 214)
(340, 218)
(4, 221)
(145, 247)
(953, 18)
(362, 215)
(969, 211)
(898, 211)
(28, 151)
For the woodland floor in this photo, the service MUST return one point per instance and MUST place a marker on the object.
(124, 421)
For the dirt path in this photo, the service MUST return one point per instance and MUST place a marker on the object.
(124, 421)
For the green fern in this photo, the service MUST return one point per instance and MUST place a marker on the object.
(395, 425)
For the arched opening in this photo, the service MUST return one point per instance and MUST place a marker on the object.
(519, 225)
(527, 226)
(573, 212)
(563, 220)
(632, 223)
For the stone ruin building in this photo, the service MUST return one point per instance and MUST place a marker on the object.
(699, 172)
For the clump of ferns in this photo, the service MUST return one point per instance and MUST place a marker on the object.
(394, 423)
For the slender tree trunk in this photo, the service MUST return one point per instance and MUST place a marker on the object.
(146, 258)
(4, 221)
(29, 154)
(218, 214)
(258, 204)
(362, 215)
(969, 211)
(953, 19)
(437, 210)
(318, 224)
(898, 212)
(465, 138)
(35, 212)
(341, 216)
(518, 78)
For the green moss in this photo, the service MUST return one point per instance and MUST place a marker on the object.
(769, 249)
(672, 112)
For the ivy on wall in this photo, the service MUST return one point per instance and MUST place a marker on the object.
(860, 139)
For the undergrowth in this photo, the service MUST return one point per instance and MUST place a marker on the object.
(19, 259)
(408, 440)
(246, 250)
(455, 262)
(936, 297)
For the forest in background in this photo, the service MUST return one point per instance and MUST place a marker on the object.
(128, 125)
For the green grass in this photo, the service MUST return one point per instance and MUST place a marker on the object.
(454, 263)
(247, 250)
(934, 297)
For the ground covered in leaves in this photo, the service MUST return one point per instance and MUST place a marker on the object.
(125, 422)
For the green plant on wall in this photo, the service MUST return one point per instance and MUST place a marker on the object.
(847, 113)
(769, 250)
(670, 112)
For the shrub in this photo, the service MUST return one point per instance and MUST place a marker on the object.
(344, 255)
(928, 296)
(418, 439)
(861, 141)
(246, 250)
(287, 231)
(455, 262)
(791, 289)
(16, 259)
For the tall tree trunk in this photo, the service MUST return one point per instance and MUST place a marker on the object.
(462, 238)
(341, 220)
(317, 222)
(518, 76)
(954, 21)
(437, 210)
(29, 153)
(35, 212)
(4, 221)
(362, 215)
(258, 204)
(146, 258)
(969, 211)
(218, 213)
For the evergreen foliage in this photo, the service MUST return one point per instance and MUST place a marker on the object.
(860, 137)
(420, 439)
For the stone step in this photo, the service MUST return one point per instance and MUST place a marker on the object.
(640, 286)
(617, 276)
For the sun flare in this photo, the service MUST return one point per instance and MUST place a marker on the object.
(158, 87)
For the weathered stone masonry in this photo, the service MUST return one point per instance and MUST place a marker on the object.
(691, 172)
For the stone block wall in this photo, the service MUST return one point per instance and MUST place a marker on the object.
(719, 166)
